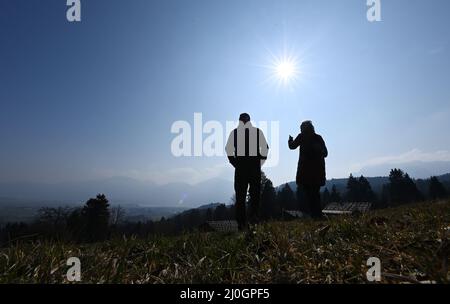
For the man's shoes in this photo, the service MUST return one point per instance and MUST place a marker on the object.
(253, 220)
(320, 217)
(242, 227)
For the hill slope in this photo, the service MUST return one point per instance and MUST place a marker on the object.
(412, 243)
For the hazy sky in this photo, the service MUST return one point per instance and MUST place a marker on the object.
(98, 98)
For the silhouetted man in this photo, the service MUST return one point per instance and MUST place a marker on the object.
(311, 165)
(247, 150)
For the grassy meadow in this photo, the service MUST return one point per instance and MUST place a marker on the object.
(412, 242)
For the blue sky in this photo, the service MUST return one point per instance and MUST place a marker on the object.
(97, 98)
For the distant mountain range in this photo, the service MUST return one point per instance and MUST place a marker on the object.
(120, 190)
(378, 175)
(415, 169)
(375, 182)
(128, 191)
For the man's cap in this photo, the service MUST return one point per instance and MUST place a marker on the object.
(244, 117)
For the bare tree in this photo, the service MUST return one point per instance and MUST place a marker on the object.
(54, 217)
(117, 215)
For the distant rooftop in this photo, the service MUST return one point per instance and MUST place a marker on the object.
(294, 213)
(221, 226)
(347, 208)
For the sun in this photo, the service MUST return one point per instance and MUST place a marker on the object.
(286, 70)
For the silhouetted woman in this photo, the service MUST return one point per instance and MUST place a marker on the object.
(311, 165)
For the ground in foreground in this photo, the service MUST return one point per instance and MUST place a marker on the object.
(412, 242)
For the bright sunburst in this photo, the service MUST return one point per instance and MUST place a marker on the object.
(284, 71)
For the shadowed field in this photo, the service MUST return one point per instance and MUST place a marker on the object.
(412, 243)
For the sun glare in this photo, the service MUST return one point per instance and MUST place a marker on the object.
(284, 71)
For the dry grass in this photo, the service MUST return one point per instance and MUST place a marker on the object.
(412, 243)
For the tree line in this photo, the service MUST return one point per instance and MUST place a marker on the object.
(97, 221)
